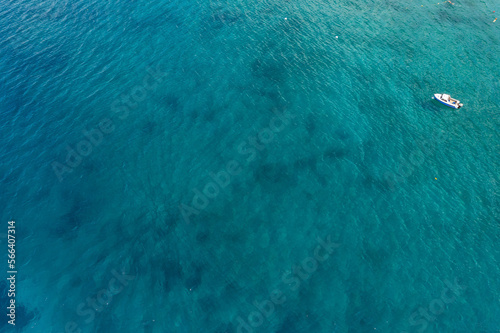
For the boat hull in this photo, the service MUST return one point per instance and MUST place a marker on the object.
(438, 97)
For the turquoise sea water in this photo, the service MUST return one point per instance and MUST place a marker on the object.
(115, 116)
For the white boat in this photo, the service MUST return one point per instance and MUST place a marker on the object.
(448, 101)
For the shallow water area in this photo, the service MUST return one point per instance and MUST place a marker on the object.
(266, 166)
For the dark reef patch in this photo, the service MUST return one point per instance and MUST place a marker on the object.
(335, 152)
(298, 323)
(171, 101)
(149, 127)
(272, 70)
(310, 124)
(23, 315)
(194, 278)
(306, 163)
(272, 176)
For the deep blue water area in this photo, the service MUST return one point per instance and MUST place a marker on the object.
(250, 166)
